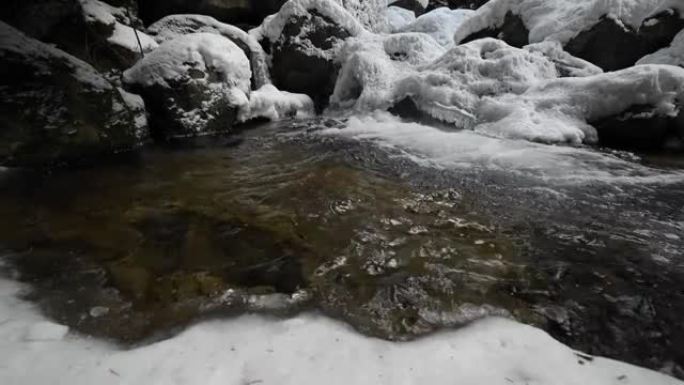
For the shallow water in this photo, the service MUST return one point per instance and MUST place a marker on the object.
(398, 229)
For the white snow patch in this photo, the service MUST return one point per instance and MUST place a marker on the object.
(270, 103)
(398, 18)
(307, 349)
(440, 23)
(562, 20)
(45, 331)
(672, 55)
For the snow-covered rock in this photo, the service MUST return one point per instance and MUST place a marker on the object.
(270, 103)
(398, 18)
(673, 55)
(447, 86)
(91, 30)
(611, 34)
(440, 24)
(56, 107)
(192, 85)
(370, 13)
(175, 26)
(563, 110)
(112, 42)
(304, 39)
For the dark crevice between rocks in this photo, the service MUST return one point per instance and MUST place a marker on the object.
(455, 4)
(513, 31)
(641, 128)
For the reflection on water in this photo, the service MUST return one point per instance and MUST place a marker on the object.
(290, 219)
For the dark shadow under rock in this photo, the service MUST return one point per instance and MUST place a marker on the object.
(455, 4)
(640, 128)
(513, 31)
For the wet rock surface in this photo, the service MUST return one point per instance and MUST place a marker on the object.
(283, 220)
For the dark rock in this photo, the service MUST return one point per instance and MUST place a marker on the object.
(513, 31)
(66, 24)
(613, 46)
(640, 128)
(454, 4)
(189, 97)
(57, 108)
(294, 68)
(411, 5)
(250, 12)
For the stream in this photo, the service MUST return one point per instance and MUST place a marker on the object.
(398, 229)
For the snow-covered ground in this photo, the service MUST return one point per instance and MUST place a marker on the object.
(307, 349)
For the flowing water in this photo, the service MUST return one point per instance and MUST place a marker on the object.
(399, 229)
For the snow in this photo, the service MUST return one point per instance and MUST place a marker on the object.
(447, 86)
(136, 105)
(272, 27)
(306, 349)
(44, 57)
(45, 331)
(468, 150)
(95, 11)
(558, 110)
(270, 103)
(374, 64)
(176, 59)
(440, 23)
(672, 55)
(174, 26)
(562, 20)
(398, 18)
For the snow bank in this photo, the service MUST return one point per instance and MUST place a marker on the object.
(95, 11)
(174, 26)
(672, 55)
(562, 20)
(451, 87)
(398, 18)
(558, 110)
(176, 60)
(270, 103)
(440, 23)
(307, 349)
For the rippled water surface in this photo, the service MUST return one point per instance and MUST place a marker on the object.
(399, 229)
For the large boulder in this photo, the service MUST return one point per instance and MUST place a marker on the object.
(610, 34)
(250, 12)
(91, 30)
(56, 107)
(304, 39)
(174, 26)
(192, 85)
